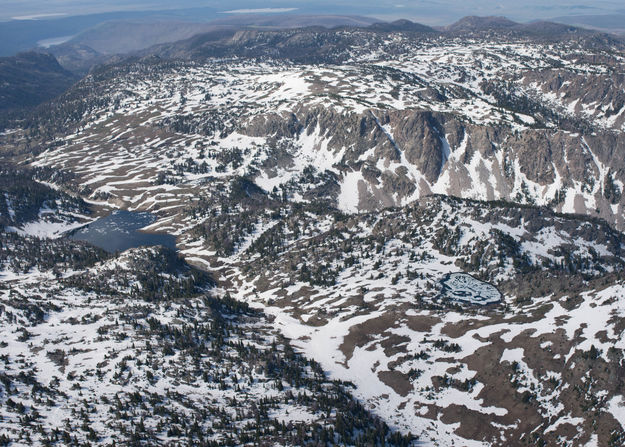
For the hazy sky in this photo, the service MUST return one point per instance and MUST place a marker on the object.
(427, 11)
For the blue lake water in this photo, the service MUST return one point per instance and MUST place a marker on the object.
(119, 231)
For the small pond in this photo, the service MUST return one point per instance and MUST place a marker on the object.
(119, 231)
(464, 288)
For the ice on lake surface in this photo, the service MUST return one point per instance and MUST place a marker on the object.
(120, 231)
(464, 288)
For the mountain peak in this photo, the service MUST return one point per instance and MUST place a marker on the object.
(402, 25)
(479, 23)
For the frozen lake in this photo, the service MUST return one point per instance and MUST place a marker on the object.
(464, 288)
(119, 231)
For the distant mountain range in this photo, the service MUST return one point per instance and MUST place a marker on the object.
(147, 28)
(614, 23)
(540, 28)
(30, 79)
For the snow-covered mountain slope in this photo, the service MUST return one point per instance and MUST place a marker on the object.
(133, 349)
(521, 120)
(32, 208)
(306, 190)
(368, 297)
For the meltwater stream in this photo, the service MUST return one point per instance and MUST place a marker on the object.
(119, 231)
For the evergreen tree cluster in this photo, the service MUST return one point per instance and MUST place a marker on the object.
(176, 364)
(22, 198)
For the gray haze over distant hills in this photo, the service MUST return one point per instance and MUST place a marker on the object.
(431, 12)
(27, 24)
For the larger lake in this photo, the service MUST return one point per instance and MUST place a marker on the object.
(119, 231)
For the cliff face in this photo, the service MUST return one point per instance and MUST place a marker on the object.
(401, 155)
